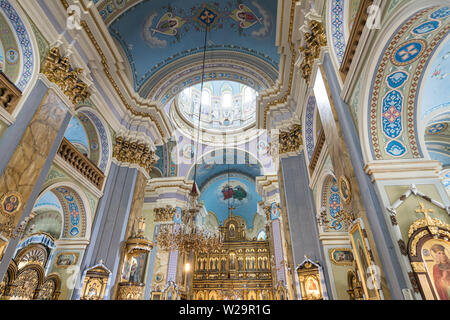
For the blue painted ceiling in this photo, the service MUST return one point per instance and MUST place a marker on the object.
(436, 93)
(234, 190)
(155, 33)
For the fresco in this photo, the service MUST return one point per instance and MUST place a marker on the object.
(237, 191)
(178, 27)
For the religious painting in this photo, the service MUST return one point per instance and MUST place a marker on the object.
(364, 262)
(344, 189)
(341, 256)
(309, 278)
(134, 268)
(10, 203)
(65, 259)
(436, 256)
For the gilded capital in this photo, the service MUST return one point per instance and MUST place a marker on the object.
(290, 141)
(314, 40)
(164, 214)
(134, 152)
(58, 70)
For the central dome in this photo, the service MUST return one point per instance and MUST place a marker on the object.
(226, 106)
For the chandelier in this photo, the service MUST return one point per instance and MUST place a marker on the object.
(189, 236)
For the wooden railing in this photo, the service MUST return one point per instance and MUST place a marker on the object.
(355, 35)
(317, 150)
(9, 93)
(81, 163)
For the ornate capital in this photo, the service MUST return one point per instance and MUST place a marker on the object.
(134, 152)
(59, 70)
(314, 40)
(164, 214)
(290, 141)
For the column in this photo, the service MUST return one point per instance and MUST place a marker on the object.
(122, 200)
(29, 164)
(349, 161)
(301, 213)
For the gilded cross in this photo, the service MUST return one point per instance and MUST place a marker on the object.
(207, 16)
(425, 212)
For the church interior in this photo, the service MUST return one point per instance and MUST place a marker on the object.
(224, 150)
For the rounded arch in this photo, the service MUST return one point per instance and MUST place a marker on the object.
(76, 209)
(104, 136)
(203, 159)
(388, 123)
(28, 48)
(328, 201)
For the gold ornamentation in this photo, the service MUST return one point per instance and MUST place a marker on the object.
(95, 282)
(164, 214)
(432, 224)
(134, 152)
(25, 285)
(47, 290)
(290, 141)
(131, 291)
(418, 266)
(314, 41)
(345, 189)
(416, 239)
(309, 278)
(58, 70)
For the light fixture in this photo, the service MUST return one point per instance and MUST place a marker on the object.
(188, 237)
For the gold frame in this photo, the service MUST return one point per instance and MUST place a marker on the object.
(64, 253)
(341, 263)
(343, 179)
(3, 198)
(354, 228)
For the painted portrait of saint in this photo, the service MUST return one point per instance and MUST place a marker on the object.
(10, 204)
(436, 254)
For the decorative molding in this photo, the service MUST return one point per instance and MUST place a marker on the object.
(290, 141)
(134, 152)
(59, 70)
(311, 51)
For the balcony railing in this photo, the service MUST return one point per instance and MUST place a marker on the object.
(357, 29)
(316, 153)
(9, 94)
(81, 163)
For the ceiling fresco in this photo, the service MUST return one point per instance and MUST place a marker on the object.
(436, 96)
(233, 190)
(156, 33)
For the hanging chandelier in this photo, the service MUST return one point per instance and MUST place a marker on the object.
(189, 236)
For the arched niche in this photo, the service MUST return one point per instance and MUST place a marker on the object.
(390, 122)
(21, 56)
(98, 133)
(329, 203)
(88, 133)
(48, 216)
(77, 215)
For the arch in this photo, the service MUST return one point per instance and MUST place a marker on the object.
(50, 288)
(76, 208)
(105, 139)
(388, 125)
(328, 200)
(29, 55)
(48, 216)
(336, 29)
(29, 278)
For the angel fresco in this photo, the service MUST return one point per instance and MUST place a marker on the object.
(168, 25)
(245, 16)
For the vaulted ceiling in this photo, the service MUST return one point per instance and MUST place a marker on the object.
(163, 41)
